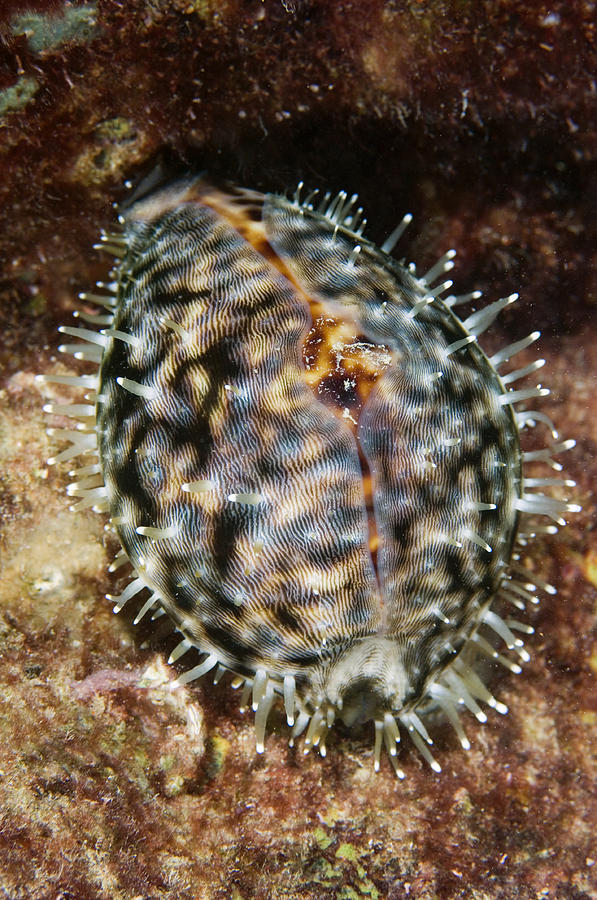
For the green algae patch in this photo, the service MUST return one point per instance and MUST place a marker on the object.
(110, 147)
(323, 839)
(77, 24)
(347, 851)
(364, 887)
(18, 95)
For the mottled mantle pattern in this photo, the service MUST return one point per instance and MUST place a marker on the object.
(481, 122)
